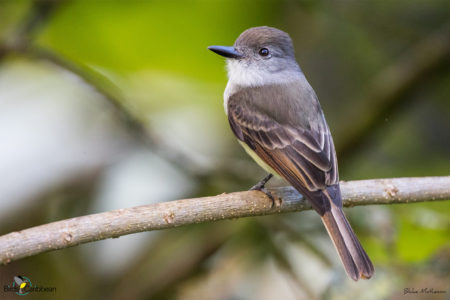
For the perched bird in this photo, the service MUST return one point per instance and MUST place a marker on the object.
(276, 116)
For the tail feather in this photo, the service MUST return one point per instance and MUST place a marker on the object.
(366, 267)
(356, 262)
(328, 204)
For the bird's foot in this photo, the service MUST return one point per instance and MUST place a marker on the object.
(260, 186)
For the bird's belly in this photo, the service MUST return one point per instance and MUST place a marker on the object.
(257, 159)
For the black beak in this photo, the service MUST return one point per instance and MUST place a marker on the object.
(229, 52)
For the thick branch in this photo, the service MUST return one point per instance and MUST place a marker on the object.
(72, 232)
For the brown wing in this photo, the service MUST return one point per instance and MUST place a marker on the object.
(304, 157)
(285, 126)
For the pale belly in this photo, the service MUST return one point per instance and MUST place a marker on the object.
(257, 159)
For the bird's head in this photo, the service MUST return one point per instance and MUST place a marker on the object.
(259, 56)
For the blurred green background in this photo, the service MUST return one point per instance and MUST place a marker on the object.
(112, 104)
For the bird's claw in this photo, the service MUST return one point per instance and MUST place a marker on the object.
(260, 186)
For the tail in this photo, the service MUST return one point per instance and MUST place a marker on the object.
(356, 262)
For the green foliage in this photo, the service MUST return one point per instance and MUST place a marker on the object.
(422, 230)
(160, 35)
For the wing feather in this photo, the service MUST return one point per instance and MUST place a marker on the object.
(298, 154)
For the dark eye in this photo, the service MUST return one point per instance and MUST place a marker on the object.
(263, 51)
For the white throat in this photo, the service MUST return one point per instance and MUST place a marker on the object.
(241, 75)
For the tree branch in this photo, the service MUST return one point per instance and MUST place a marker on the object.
(21, 42)
(112, 224)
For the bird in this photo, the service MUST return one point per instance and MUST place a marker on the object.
(21, 282)
(276, 116)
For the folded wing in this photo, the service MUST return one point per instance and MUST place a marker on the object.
(304, 157)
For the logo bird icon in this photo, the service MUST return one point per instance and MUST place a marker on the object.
(20, 281)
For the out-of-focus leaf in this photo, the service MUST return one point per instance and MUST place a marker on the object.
(158, 35)
(416, 242)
